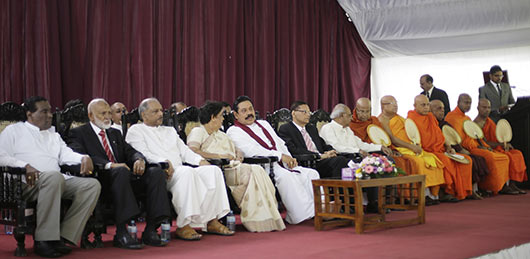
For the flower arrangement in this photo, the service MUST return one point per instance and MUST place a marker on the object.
(375, 166)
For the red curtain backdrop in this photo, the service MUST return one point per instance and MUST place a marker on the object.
(275, 51)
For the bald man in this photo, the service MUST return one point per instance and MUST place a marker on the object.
(422, 162)
(362, 118)
(457, 175)
(498, 163)
(479, 168)
(517, 170)
(117, 110)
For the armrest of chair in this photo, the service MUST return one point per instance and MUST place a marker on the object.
(356, 157)
(306, 157)
(218, 162)
(257, 160)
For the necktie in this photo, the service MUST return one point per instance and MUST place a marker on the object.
(106, 146)
(428, 95)
(499, 88)
(308, 141)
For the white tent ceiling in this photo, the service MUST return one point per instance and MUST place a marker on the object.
(415, 27)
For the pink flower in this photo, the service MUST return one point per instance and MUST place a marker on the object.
(388, 169)
(369, 169)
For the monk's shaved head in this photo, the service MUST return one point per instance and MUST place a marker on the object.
(484, 101)
(464, 102)
(484, 108)
(437, 108)
(389, 105)
(421, 104)
(363, 109)
(363, 102)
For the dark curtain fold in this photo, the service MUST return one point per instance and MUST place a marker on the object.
(275, 51)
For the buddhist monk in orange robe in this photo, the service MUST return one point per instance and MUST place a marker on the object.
(517, 169)
(479, 169)
(457, 175)
(361, 119)
(498, 163)
(421, 162)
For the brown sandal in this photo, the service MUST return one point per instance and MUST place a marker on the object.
(216, 228)
(187, 233)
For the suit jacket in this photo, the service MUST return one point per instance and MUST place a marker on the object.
(295, 141)
(490, 92)
(84, 140)
(439, 94)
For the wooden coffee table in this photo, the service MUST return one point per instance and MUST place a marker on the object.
(342, 200)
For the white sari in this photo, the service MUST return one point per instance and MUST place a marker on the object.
(251, 187)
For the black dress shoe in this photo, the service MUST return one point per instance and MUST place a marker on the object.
(151, 238)
(61, 247)
(45, 249)
(126, 241)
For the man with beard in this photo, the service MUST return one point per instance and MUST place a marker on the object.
(108, 150)
(257, 138)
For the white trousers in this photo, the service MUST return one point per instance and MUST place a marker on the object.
(296, 191)
(199, 195)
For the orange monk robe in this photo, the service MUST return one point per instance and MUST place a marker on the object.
(360, 129)
(425, 164)
(517, 169)
(458, 176)
(498, 163)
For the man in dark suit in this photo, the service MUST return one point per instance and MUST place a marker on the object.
(497, 92)
(108, 150)
(302, 138)
(434, 93)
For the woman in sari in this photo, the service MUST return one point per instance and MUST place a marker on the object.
(251, 187)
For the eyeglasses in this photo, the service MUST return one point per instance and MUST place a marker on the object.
(302, 111)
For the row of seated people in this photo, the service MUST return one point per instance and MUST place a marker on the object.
(199, 196)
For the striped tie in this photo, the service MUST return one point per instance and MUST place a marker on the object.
(308, 141)
(106, 146)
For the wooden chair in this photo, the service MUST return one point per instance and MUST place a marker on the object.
(14, 210)
(279, 117)
(187, 119)
(319, 118)
(70, 118)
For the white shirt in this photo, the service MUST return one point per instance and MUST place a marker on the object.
(496, 86)
(118, 127)
(430, 92)
(343, 140)
(250, 147)
(42, 149)
(97, 130)
(161, 143)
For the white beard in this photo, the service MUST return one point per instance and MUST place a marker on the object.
(102, 124)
